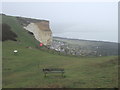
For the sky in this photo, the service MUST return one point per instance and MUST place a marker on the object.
(79, 20)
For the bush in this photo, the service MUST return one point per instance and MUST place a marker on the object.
(7, 34)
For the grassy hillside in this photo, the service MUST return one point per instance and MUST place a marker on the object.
(24, 70)
(24, 38)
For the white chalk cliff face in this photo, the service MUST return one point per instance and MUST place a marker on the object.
(41, 31)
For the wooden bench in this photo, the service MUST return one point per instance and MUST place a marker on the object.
(53, 70)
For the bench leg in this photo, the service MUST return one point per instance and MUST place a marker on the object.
(62, 75)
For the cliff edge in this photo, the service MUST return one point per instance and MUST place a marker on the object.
(40, 29)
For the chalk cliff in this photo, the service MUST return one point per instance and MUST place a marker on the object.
(40, 29)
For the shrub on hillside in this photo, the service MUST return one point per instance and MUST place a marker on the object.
(7, 34)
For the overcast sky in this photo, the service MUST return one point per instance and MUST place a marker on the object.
(81, 20)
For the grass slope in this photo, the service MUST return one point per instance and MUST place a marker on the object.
(24, 70)
(23, 37)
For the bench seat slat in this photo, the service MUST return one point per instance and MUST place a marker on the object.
(55, 71)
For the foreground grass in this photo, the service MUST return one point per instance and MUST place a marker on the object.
(24, 70)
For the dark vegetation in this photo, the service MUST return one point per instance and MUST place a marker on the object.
(30, 33)
(7, 33)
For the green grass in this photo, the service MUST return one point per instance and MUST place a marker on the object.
(24, 70)
(24, 38)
